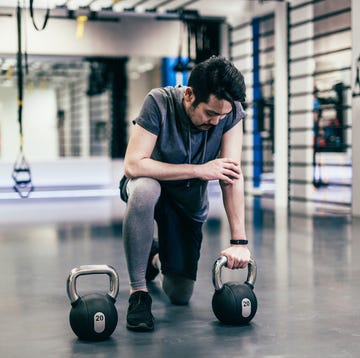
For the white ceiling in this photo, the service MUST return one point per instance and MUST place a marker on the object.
(232, 10)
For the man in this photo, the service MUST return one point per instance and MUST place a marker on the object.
(182, 138)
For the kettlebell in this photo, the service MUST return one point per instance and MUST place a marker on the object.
(234, 303)
(93, 316)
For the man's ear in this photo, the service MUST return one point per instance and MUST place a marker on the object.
(189, 94)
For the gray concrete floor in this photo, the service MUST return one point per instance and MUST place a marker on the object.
(307, 286)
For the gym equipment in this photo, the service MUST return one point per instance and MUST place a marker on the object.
(94, 316)
(21, 173)
(47, 15)
(234, 303)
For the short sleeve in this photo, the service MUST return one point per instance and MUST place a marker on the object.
(235, 116)
(150, 116)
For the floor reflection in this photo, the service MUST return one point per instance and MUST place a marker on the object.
(307, 285)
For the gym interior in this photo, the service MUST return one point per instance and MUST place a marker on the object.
(73, 77)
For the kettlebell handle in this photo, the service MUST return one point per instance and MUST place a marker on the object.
(221, 261)
(92, 270)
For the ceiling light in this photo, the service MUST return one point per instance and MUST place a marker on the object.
(76, 4)
(139, 8)
(97, 5)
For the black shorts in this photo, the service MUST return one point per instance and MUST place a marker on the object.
(180, 239)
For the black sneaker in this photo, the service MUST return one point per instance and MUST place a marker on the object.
(151, 271)
(139, 316)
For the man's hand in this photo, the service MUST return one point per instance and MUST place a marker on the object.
(238, 256)
(224, 169)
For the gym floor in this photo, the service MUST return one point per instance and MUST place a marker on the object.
(308, 285)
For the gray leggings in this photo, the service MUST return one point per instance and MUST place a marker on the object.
(138, 232)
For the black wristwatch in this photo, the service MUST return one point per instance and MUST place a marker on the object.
(238, 242)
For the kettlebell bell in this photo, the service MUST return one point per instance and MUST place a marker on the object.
(234, 303)
(93, 316)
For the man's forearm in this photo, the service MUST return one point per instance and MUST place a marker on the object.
(224, 169)
(233, 199)
(148, 167)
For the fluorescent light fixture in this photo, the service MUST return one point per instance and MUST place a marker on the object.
(97, 5)
(161, 10)
(139, 8)
(75, 4)
(119, 7)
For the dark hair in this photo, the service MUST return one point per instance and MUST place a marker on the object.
(219, 77)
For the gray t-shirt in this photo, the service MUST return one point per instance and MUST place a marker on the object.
(180, 142)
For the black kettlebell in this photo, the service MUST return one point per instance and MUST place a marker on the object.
(93, 316)
(234, 303)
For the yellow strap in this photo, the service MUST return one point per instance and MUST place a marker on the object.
(21, 139)
(81, 19)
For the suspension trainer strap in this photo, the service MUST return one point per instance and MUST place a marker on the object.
(20, 75)
(21, 171)
(47, 15)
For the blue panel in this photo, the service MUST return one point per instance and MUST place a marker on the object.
(168, 76)
(257, 140)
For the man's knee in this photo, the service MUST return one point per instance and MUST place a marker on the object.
(144, 191)
(178, 288)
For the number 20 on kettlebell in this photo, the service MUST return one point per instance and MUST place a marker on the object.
(234, 303)
(94, 316)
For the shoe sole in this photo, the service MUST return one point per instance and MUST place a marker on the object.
(142, 327)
